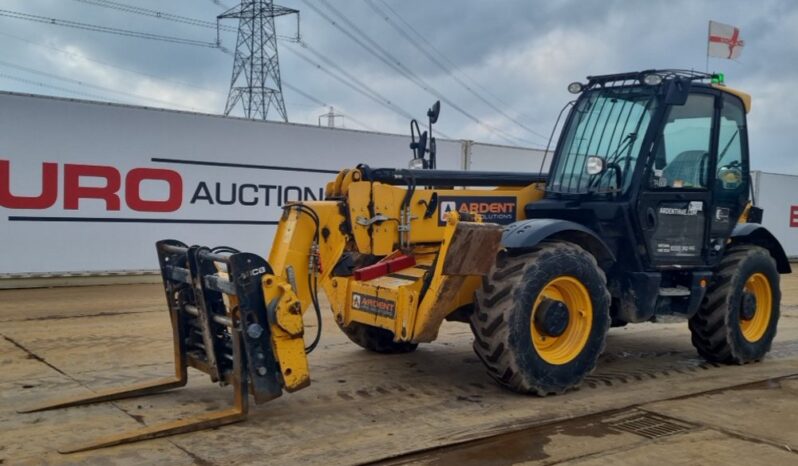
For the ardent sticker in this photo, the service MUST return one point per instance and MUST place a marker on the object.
(693, 208)
(374, 305)
(493, 209)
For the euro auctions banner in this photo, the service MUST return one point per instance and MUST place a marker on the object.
(90, 187)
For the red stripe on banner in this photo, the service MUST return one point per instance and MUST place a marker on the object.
(794, 216)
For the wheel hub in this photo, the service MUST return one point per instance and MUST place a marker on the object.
(748, 308)
(552, 317)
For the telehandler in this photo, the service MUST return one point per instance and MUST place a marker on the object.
(644, 211)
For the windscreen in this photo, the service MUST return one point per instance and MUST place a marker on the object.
(609, 123)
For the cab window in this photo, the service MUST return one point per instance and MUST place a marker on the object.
(730, 145)
(682, 155)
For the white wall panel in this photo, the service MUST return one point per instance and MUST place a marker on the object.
(493, 157)
(778, 195)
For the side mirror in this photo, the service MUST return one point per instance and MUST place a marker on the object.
(595, 165)
(434, 112)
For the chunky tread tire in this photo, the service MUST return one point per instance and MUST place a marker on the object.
(503, 309)
(376, 339)
(715, 328)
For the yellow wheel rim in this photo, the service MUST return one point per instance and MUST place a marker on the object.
(564, 348)
(759, 286)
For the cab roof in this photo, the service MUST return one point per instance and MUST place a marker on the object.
(637, 77)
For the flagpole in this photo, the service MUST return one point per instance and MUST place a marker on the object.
(709, 31)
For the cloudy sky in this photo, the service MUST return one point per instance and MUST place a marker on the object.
(501, 66)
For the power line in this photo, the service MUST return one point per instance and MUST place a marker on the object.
(109, 65)
(105, 29)
(157, 14)
(137, 10)
(154, 77)
(447, 69)
(50, 86)
(105, 98)
(151, 76)
(94, 86)
(304, 94)
(341, 70)
(359, 87)
(390, 60)
(348, 79)
(359, 123)
(443, 56)
(380, 53)
(324, 104)
(345, 78)
(354, 87)
(431, 46)
(136, 34)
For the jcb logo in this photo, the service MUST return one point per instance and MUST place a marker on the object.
(252, 273)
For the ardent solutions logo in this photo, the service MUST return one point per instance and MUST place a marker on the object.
(493, 209)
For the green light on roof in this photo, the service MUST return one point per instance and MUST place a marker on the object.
(717, 78)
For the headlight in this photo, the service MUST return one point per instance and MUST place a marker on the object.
(416, 164)
(575, 87)
(594, 165)
(652, 79)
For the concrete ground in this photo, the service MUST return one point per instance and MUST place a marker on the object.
(652, 400)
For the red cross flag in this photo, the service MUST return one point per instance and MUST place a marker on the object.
(724, 41)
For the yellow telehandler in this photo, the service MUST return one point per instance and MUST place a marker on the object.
(644, 211)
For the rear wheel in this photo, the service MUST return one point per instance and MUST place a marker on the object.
(541, 318)
(376, 339)
(737, 321)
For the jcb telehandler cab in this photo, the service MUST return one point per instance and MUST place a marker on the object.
(645, 211)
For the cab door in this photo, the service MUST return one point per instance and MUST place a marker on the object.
(675, 199)
(731, 182)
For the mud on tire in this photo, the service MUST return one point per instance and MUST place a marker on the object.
(503, 312)
(376, 339)
(716, 327)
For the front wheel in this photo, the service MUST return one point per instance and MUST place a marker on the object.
(541, 318)
(737, 321)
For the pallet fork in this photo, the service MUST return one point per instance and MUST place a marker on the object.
(218, 338)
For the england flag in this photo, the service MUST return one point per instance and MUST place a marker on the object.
(724, 41)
